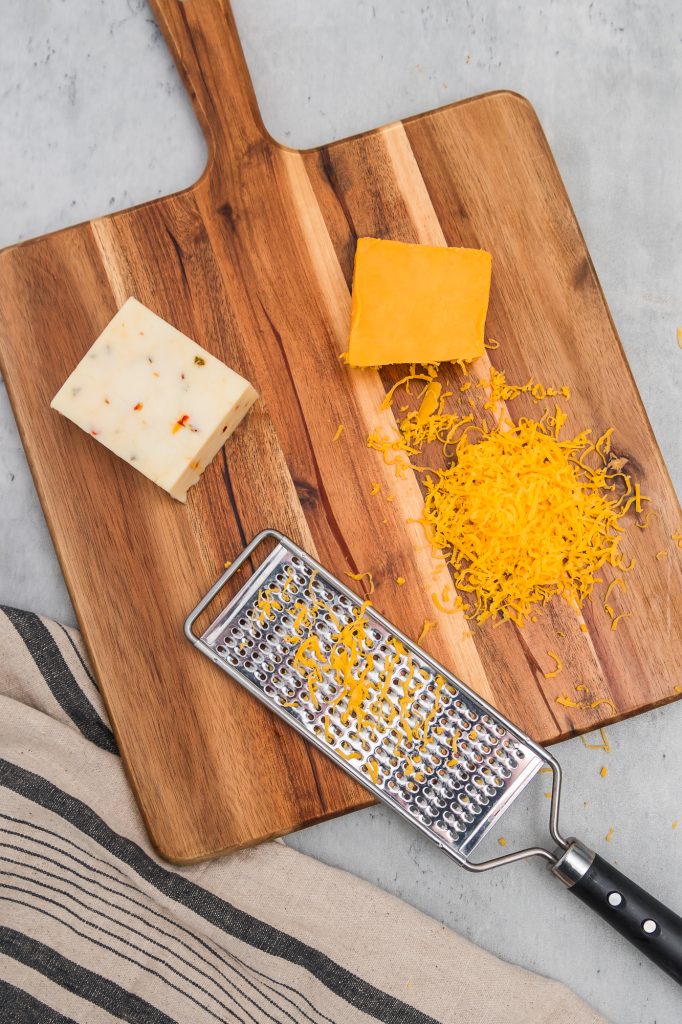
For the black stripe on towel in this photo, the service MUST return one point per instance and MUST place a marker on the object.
(59, 678)
(223, 969)
(84, 983)
(122, 931)
(226, 957)
(19, 1007)
(346, 985)
(15, 895)
(78, 654)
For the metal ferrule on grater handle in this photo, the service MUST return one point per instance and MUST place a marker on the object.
(449, 763)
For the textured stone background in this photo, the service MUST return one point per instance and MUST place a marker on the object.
(93, 118)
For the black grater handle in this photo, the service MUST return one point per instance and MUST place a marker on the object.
(649, 925)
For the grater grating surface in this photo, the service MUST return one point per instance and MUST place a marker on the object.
(419, 739)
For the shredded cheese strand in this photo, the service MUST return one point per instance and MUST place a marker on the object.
(358, 576)
(558, 667)
(604, 745)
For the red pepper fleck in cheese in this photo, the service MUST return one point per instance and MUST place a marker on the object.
(417, 303)
(155, 398)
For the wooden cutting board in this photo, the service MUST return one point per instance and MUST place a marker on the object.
(254, 262)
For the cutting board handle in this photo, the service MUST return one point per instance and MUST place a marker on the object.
(203, 38)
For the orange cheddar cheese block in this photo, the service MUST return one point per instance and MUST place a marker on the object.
(417, 303)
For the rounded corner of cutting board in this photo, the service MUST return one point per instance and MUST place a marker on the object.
(172, 855)
(180, 855)
(503, 98)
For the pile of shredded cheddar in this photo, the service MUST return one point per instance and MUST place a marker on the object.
(519, 512)
(523, 517)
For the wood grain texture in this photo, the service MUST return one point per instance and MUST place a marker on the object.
(255, 262)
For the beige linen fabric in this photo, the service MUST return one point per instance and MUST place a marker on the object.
(94, 927)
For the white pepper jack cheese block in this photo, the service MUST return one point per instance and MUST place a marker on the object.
(155, 398)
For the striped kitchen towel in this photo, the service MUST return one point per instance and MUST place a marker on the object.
(95, 928)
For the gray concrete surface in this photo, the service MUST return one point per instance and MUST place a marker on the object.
(93, 118)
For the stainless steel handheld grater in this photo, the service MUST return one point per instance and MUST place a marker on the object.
(412, 733)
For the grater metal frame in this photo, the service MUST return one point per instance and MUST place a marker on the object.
(253, 581)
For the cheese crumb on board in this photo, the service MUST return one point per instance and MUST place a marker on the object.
(417, 303)
(428, 624)
(155, 398)
(558, 665)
